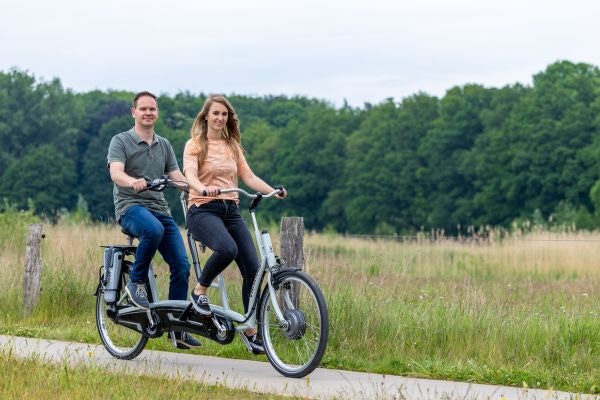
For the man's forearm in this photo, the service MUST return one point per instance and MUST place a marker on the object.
(121, 178)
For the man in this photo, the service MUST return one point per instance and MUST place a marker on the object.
(133, 157)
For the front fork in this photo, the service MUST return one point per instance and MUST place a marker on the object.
(273, 264)
(275, 304)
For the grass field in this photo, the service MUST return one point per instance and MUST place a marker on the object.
(521, 310)
(62, 381)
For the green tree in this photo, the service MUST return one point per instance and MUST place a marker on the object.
(545, 153)
(381, 190)
(449, 192)
(45, 176)
(486, 163)
(308, 162)
(96, 185)
(17, 96)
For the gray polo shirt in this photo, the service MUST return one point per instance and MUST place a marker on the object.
(141, 161)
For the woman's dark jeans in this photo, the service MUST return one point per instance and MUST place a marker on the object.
(219, 225)
(158, 231)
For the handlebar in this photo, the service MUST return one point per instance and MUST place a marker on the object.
(278, 190)
(159, 184)
(255, 198)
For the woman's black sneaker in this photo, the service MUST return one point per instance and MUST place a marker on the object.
(256, 344)
(200, 304)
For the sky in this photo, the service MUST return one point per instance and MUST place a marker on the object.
(339, 51)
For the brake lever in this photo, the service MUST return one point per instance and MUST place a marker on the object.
(154, 184)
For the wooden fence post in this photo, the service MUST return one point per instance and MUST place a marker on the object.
(292, 241)
(33, 269)
(292, 247)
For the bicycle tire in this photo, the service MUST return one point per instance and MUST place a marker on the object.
(296, 349)
(121, 342)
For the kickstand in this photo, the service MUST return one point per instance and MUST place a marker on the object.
(245, 340)
(173, 339)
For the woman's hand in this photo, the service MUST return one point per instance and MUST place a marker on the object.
(211, 191)
(283, 193)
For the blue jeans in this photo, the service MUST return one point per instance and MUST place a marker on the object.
(158, 231)
(219, 225)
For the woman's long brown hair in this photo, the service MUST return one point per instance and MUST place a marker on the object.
(230, 133)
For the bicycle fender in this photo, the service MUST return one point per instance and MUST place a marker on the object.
(100, 277)
(282, 273)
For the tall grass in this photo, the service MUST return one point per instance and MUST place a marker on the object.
(520, 309)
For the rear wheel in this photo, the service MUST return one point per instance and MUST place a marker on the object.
(295, 345)
(121, 342)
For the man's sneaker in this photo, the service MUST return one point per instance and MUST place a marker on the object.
(183, 340)
(138, 295)
(200, 304)
(255, 344)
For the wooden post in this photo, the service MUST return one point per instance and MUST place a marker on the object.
(292, 241)
(33, 269)
(292, 247)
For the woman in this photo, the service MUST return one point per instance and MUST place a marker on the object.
(213, 159)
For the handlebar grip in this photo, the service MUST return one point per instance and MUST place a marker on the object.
(157, 184)
(205, 193)
(148, 185)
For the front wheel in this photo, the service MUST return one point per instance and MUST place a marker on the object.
(121, 342)
(295, 345)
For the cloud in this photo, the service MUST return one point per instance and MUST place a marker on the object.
(361, 51)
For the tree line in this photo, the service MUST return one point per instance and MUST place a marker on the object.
(475, 157)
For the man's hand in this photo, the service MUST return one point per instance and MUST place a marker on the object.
(139, 184)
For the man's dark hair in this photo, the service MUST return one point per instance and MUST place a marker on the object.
(141, 94)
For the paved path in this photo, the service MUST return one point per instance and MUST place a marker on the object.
(261, 377)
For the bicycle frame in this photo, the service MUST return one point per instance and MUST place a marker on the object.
(268, 263)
